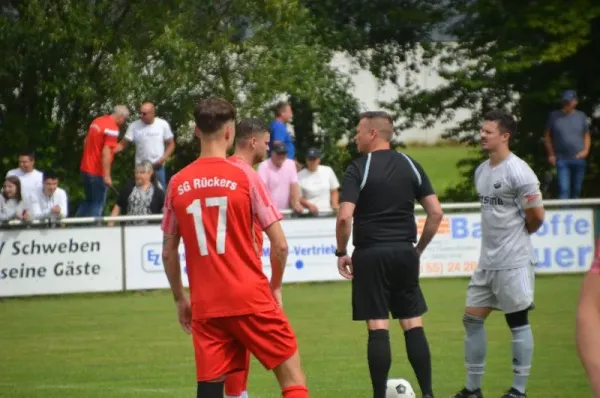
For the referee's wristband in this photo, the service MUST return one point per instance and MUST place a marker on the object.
(341, 253)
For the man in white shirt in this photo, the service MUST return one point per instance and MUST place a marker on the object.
(153, 139)
(318, 184)
(50, 201)
(31, 179)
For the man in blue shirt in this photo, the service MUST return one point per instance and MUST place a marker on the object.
(279, 131)
(567, 139)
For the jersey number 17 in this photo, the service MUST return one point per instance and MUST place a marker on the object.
(195, 210)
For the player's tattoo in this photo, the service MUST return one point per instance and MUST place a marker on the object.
(168, 238)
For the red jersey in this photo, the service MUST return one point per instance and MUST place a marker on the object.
(258, 231)
(102, 132)
(596, 263)
(213, 204)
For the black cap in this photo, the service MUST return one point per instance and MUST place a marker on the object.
(279, 148)
(313, 153)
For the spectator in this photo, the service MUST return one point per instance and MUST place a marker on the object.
(13, 205)
(318, 184)
(279, 131)
(280, 175)
(100, 142)
(142, 196)
(50, 202)
(150, 134)
(568, 141)
(31, 179)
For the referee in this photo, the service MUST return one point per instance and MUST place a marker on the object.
(379, 190)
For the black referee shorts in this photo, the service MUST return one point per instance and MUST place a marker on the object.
(386, 279)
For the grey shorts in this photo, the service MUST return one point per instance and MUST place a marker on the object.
(508, 290)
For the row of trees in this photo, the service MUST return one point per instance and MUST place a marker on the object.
(65, 62)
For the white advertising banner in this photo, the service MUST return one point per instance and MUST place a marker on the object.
(143, 256)
(564, 244)
(311, 254)
(56, 261)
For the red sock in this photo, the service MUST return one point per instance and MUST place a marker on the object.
(236, 383)
(295, 392)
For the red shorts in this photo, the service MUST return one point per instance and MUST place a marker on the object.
(221, 344)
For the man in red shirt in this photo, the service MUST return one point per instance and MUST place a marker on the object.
(213, 205)
(588, 324)
(98, 149)
(252, 144)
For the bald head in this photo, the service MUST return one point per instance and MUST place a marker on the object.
(381, 122)
(147, 112)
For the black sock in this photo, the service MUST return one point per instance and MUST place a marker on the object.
(210, 390)
(417, 350)
(379, 354)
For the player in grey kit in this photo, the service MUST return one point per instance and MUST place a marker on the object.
(511, 210)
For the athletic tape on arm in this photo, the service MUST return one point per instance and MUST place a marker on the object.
(533, 200)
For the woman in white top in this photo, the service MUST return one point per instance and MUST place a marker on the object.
(319, 185)
(12, 204)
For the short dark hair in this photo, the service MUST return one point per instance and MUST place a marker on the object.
(280, 107)
(50, 175)
(211, 114)
(506, 121)
(29, 154)
(247, 127)
(377, 115)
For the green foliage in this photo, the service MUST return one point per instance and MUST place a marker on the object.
(65, 63)
(68, 62)
(379, 33)
(515, 55)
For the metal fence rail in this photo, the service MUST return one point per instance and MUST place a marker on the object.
(552, 203)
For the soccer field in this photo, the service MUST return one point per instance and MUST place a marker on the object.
(130, 345)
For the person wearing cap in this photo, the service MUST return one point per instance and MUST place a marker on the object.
(281, 177)
(318, 185)
(567, 139)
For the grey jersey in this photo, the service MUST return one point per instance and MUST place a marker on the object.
(505, 242)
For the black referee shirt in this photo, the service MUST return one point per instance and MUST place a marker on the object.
(384, 186)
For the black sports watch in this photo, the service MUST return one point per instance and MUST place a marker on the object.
(339, 253)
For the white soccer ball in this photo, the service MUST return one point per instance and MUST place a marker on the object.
(399, 388)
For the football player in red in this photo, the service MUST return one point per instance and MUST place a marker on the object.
(251, 146)
(588, 324)
(213, 204)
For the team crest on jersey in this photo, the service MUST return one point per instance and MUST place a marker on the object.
(497, 184)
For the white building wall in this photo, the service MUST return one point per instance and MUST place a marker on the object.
(369, 94)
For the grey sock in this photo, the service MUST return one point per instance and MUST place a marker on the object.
(475, 350)
(522, 349)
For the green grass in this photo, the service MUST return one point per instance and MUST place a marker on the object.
(439, 163)
(130, 345)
